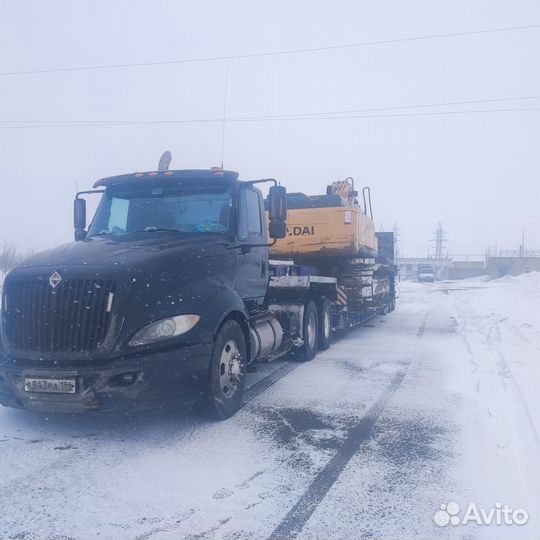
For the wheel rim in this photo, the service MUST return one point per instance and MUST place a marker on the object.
(327, 324)
(230, 368)
(311, 330)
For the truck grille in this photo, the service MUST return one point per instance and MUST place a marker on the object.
(72, 317)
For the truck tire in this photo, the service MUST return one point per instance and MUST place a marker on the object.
(310, 332)
(325, 324)
(227, 371)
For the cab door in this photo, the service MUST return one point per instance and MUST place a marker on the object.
(251, 257)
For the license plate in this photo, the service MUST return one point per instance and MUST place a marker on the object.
(52, 386)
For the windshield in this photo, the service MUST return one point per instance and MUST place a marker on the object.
(183, 209)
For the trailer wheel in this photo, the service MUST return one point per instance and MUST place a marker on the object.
(325, 324)
(310, 332)
(228, 371)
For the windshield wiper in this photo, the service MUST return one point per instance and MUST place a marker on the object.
(157, 229)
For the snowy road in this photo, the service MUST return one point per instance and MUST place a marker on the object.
(434, 403)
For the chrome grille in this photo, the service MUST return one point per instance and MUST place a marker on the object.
(74, 316)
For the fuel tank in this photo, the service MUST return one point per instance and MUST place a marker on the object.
(266, 338)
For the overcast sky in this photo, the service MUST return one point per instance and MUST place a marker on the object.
(478, 173)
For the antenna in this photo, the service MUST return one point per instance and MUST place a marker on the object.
(224, 110)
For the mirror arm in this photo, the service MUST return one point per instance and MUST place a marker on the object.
(263, 180)
(91, 191)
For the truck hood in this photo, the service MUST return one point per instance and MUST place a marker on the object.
(152, 276)
(147, 252)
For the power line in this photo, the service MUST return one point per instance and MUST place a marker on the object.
(433, 113)
(398, 107)
(269, 53)
(279, 116)
(255, 119)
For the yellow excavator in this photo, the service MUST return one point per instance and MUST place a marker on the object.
(334, 235)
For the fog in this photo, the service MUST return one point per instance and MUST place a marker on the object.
(474, 168)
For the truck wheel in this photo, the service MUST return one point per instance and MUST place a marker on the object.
(325, 324)
(228, 371)
(310, 332)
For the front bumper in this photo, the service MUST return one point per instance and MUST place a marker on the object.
(148, 381)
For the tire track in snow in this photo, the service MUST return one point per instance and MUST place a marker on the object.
(492, 342)
(297, 517)
(266, 382)
(506, 371)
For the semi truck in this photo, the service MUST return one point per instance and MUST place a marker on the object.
(182, 281)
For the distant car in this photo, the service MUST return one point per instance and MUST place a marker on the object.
(426, 273)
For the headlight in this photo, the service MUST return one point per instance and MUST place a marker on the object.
(164, 329)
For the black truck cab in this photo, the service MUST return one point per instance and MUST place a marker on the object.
(164, 297)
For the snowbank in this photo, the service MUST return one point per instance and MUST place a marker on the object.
(513, 300)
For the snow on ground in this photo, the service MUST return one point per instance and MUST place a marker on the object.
(436, 402)
(499, 324)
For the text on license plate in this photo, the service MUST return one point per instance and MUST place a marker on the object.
(54, 386)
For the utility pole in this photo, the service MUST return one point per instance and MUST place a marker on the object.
(397, 234)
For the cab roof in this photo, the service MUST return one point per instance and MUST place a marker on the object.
(209, 174)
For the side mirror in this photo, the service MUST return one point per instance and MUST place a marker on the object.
(79, 218)
(277, 212)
